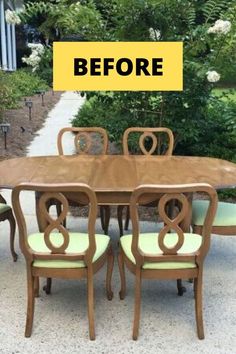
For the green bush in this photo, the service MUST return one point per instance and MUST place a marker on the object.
(44, 70)
(19, 84)
(207, 128)
(14, 86)
(25, 83)
(6, 94)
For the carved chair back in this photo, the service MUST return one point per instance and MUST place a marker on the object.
(154, 136)
(85, 140)
(60, 193)
(164, 195)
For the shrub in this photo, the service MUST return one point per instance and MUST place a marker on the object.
(25, 83)
(16, 85)
(6, 94)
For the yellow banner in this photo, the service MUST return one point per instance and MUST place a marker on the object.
(118, 66)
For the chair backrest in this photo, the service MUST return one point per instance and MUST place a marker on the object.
(149, 133)
(164, 195)
(84, 139)
(61, 193)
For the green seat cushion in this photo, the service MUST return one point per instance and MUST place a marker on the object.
(149, 245)
(4, 207)
(78, 243)
(225, 214)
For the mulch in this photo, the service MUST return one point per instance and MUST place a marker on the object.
(22, 129)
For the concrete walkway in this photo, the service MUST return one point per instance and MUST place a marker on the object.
(60, 323)
(45, 143)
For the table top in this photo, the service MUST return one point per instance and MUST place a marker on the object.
(117, 173)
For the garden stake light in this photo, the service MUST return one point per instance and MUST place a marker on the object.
(42, 93)
(5, 127)
(29, 104)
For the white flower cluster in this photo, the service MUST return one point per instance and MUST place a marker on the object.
(36, 47)
(213, 76)
(35, 57)
(154, 34)
(12, 18)
(221, 27)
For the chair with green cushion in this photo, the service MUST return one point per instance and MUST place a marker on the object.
(225, 218)
(151, 141)
(87, 141)
(171, 253)
(84, 141)
(57, 253)
(6, 214)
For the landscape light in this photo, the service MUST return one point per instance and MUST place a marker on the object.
(41, 93)
(29, 104)
(5, 127)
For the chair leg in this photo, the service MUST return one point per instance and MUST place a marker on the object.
(12, 223)
(127, 219)
(47, 288)
(119, 217)
(198, 305)
(122, 275)
(36, 286)
(106, 218)
(30, 305)
(102, 217)
(110, 264)
(137, 304)
(180, 287)
(90, 303)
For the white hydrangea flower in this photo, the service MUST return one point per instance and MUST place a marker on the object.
(35, 57)
(220, 27)
(213, 76)
(12, 18)
(36, 47)
(154, 34)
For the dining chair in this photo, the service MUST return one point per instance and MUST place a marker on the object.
(154, 136)
(58, 253)
(225, 218)
(87, 140)
(165, 254)
(6, 214)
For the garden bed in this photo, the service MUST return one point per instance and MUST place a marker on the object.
(22, 130)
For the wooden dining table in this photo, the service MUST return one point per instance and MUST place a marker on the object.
(114, 177)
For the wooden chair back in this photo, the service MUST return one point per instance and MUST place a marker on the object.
(149, 133)
(83, 139)
(60, 193)
(164, 195)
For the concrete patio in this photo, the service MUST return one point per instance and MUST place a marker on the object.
(167, 320)
(60, 322)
